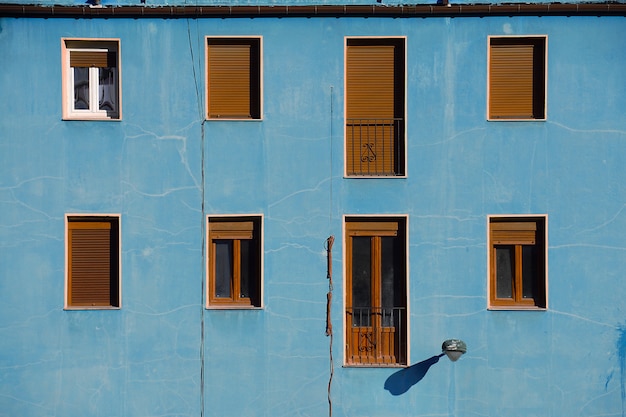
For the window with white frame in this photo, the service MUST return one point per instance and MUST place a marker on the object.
(91, 79)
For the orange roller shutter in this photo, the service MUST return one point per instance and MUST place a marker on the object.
(229, 80)
(89, 264)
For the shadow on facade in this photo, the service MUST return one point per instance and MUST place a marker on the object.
(400, 382)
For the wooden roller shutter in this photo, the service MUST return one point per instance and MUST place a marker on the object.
(92, 265)
(514, 233)
(231, 230)
(233, 79)
(516, 79)
(355, 227)
(374, 88)
(370, 82)
(101, 59)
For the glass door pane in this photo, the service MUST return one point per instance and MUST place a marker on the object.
(391, 280)
(361, 280)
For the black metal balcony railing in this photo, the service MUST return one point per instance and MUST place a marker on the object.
(374, 147)
(383, 316)
(376, 335)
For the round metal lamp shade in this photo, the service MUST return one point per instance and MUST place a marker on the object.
(454, 349)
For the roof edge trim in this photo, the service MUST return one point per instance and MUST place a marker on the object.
(378, 10)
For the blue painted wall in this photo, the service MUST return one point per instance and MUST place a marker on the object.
(164, 169)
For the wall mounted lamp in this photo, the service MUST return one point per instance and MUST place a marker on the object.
(454, 348)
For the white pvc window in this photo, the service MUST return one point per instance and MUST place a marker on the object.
(92, 85)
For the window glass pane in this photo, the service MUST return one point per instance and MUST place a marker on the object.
(81, 88)
(361, 280)
(223, 268)
(528, 271)
(247, 269)
(107, 91)
(391, 279)
(505, 271)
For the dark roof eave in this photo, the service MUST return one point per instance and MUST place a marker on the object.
(378, 10)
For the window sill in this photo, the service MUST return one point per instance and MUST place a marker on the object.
(516, 308)
(517, 120)
(83, 308)
(376, 177)
(375, 366)
(91, 118)
(232, 307)
(232, 119)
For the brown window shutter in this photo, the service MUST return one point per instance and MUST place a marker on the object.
(514, 233)
(231, 230)
(373, 104)
(100, 59)
(90, 266)
(370, 82)
(232, 79)
(516, 78)
(372, 228)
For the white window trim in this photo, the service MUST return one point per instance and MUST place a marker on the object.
(545, 242)
(545, 78)
(344, 261)
(345, 108)
(69, 113)
(206, 84)
(66, 306)
(207, 266)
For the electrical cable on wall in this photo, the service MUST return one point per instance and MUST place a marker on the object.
(329, 260)
(203, 292)
(329, 324)
(203, 219)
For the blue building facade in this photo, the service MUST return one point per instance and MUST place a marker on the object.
(164, 169)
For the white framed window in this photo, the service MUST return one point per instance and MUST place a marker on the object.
(91, 79)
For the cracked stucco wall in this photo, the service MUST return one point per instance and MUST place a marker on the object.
(164, 169)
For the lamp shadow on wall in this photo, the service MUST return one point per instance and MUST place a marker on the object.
(400, 382)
